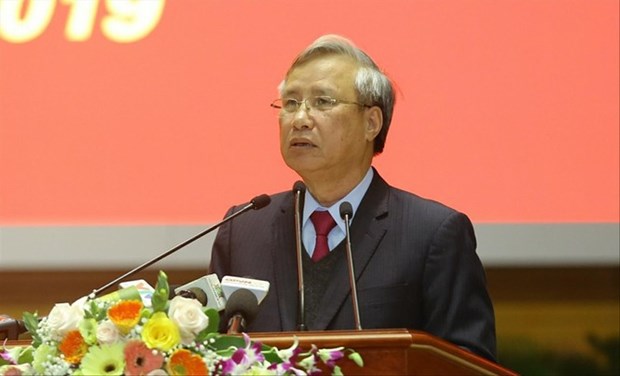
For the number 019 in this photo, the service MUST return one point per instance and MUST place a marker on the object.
(125, 21)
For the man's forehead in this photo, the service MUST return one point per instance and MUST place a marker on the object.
(321, 75)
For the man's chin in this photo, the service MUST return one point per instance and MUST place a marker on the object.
(303, 166)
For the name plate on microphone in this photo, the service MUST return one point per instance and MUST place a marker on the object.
(258, 287)
(210, 284)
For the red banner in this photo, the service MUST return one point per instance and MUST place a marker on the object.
(157, 112)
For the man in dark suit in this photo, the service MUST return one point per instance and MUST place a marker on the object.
(415, 260)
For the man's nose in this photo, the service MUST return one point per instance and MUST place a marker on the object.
(301, 118)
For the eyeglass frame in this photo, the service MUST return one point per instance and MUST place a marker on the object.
(333, 103)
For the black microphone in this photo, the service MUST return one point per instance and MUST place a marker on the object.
(256, 203)
(346, 212)
(241, 308)
(299, 189)
(11, 328)
(206, 289)
(194, 293)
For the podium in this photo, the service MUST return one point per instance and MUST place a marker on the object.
(385, 352)
(391, 352)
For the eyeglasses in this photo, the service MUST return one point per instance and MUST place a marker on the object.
(320, 103)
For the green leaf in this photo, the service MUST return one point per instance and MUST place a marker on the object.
(214, 320)
(161, 293)
(31, 321)
(26, 356)
(225, 342)
(271, 354)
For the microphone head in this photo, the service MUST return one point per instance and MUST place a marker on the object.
(195, 293)
(346, 210)
(260, 202)
(242, 302)
(299, 186)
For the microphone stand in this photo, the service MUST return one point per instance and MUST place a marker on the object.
(256, 203)
(299, 188)
(346, 211)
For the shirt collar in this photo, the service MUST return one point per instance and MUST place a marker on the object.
(354, 198)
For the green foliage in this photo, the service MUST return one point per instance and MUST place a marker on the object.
(26, 355)
(609, 348)
(31, 321)
(214, 324)
(159, 300)
(271, 355)
(93, 311)
(228, 342)
(528, 358)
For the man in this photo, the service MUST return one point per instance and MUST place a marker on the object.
(415, 260)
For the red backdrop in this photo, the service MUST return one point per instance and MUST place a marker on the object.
(127, 113)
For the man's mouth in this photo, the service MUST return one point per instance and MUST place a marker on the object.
(301, 144)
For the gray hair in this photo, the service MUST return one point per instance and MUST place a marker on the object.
(373, 87)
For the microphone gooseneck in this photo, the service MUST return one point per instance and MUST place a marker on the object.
(299, 189)
(346, 212)
(241, 309)
(256, 203)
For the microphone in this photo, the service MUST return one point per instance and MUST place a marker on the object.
(11, 328)
(257, 287)
(346, 212)
(193, 293)
(207, 290)
(256, 203)
(299, 189)
(241, 308)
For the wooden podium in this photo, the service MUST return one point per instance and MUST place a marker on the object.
(392, 352)
(385, 352)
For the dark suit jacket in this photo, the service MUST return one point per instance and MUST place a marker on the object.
(415, 265)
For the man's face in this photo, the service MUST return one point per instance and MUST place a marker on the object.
(332, 143)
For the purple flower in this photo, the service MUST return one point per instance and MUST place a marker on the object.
(243, 358)
(331, 356)
(6, 356)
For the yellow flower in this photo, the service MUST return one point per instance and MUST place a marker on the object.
(104, 360)
(160, 332)
(125, 314)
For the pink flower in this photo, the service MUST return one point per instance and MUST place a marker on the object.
(140, 360)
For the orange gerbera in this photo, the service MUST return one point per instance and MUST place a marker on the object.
(184, 362)
(73, 347)
(125, 314)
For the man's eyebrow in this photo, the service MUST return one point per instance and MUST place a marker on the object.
(315, 91)
(290, 91)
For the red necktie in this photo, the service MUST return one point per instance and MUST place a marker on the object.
(323, 224)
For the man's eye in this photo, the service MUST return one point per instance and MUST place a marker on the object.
(290, 103)
(323, 102)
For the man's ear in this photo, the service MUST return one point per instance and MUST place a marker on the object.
(374, 122)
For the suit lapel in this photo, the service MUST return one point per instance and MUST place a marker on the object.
(367, 230)
(285, 264)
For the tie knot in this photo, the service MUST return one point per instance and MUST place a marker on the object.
(323, 222)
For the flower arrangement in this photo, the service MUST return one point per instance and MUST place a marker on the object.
(170, 337)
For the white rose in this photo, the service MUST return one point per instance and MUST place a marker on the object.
(107, 332)
(188, 315)
(63, 318)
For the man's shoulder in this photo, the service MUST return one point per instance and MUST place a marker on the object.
(407, 202)
(401, 199)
